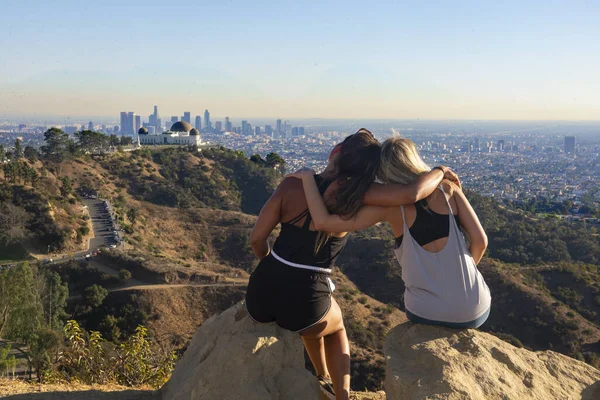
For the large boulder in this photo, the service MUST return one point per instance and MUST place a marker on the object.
(426, 362)
(233, 357)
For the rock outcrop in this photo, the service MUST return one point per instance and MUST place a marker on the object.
(232, 358)
(425, 362)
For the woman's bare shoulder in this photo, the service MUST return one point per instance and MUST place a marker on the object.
(290, 184)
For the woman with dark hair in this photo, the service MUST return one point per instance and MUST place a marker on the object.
(291, 284)
(442, 283)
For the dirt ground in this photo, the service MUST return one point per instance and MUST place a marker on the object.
(19, 390)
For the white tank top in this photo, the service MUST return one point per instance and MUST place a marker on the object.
(444, 286)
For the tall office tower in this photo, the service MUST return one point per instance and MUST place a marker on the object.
(476, 145)
(294, 131)
(570, 143)
(173, 120)
(168, 125)
(257, 130)
(116, 129)
(501, 145)
(103, 128)
(130, 123)
(123, 123)
(228, 125)
(187, 117)
(245, 128)
(198, 123)
(300, 131)
(268, 129)
(138, 123)
(279, 132)
(154, 120)
(218, 126)
(90, 126)
(207, 119)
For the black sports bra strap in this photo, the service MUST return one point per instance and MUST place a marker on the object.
(299, 217)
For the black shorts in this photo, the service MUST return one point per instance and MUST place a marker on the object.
(294, 298)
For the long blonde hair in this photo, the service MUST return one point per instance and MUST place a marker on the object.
(401, 162)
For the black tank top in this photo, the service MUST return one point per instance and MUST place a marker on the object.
(428, 226)
(297, 244)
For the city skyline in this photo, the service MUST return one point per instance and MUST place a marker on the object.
(393, 60)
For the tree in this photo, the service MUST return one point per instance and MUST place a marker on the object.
(256, 158)
(114, 140)
(54, 296)
(18, 150)
(92, 142)
(126, 141)
(31, 153)
(21, 310)
(275, 161)
(124, 274)
(42, 348)
(2, 154)
(57, 145)
(13, 221)
(94, 295)
(67, 186)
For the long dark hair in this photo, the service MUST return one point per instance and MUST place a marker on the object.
(356, 168)
(356, 165)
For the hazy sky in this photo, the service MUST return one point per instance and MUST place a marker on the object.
(350, 59)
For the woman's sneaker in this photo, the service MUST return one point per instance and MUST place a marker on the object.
(326, 387)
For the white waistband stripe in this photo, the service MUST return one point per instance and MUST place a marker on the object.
(291, 264)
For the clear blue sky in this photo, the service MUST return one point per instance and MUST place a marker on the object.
(349, 59)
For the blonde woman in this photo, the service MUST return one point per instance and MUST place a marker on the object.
(443, 285)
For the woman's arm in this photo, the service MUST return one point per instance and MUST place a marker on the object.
(269, 217)
(402, 195)
(324, 221)
(471, 225)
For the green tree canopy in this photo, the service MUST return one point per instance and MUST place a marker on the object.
(57, 145)
(31, 153)
(94, 295)
(18, 153)
(92, 142)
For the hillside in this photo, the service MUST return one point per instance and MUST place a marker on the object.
(187, 216)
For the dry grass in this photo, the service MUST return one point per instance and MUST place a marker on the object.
(13, 387)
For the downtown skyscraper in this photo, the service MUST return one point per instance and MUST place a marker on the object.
(127, 123)
(154, 120)
(207, 124)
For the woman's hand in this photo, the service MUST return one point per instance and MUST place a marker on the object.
(301, 172)
(452, 177)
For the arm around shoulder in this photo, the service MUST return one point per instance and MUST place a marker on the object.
(395, 194)
(471, 225)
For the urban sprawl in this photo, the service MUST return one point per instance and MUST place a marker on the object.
(544, 163)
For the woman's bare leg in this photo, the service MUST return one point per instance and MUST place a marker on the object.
(337, 349)
(316, 352)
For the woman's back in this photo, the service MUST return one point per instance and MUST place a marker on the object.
(441, 278)
(298, 241)
(427, 220)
